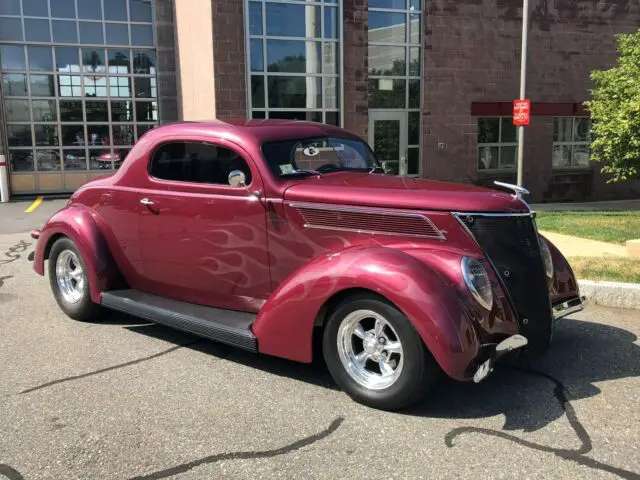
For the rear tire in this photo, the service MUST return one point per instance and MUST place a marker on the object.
(375, 354)
(69, 282)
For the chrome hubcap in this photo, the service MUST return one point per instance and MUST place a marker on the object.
(69, 276)
(370, 350)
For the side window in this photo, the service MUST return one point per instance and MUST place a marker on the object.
(197, 163)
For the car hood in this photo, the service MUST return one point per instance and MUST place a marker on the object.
(376, 190)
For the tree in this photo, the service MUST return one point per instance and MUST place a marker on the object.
(615, 111)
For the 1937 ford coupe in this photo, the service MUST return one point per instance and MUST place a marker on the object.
(267, 234)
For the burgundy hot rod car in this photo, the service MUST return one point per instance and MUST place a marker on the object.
(266, 234)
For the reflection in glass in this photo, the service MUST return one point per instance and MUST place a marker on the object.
(122, 111)
(120, 86)
(96, 111)
(487, 158)
(294, 92)
(101, 159)
(98, 135)
(414, 93)
(146, 111)
(331, 118)
(115, 10)
(386, 139)
(330, 92)
(73, 135)
(257, 91)
(145, 87)
(35, 8)
(70, 111)
(387, 27)
(414, 5)
(48, 160)
(65, 8)
(21, 160)
(255, 18)
(562, 129)
(10, 29)
(414, 128)
(44, 110)
(142, 129)
(64, 31)
(387, 60)
(41, 85)
(40, 58)
(561, 156)
(508, 133)
(10, 7)
(140, 10)
(581, 154)
(582, 129)
(330, 22)
(12, 57)
(415, 62)
(93, 60)
(413, 161)
(258, 114)
(91, 32)
(95, 86)
(488, 130)
(286, 20)
(257, 63)
(141, 35)
(90, 9)
(395, 4)
(507, 157)
(329, 59)
(46, 135)
(14, 84)
(19, 135)
(414, 28)
(309, 116)
(17, 110)
(293, 56)
(123, 135)
(387, 93)
(119, 155)
(36, 30)
(144, 61)
(75, 159)
(67, 59)
(119, 61)
(117, 33)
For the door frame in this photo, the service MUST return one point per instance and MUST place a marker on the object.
(400, 116)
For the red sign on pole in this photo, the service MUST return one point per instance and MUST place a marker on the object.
(521, 112)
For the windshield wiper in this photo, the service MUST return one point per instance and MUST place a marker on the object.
(299, 171)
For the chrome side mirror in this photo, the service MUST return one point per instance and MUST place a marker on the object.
(237, 178)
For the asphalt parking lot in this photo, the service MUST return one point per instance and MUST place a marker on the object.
(126, 399)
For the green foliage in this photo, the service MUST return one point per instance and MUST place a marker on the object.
(615, 111)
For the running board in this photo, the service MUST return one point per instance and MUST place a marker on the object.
(224, 326)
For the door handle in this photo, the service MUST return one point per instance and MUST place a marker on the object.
(146, 201)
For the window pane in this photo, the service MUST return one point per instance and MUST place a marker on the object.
(64, 8)
(120, 86)
(258, 114)
(581, 155)
(75, 159)
(397, 4)
(331, 118)
(48, 160)
(508, 131)
(329, 59)
(93, 60)
(95, 87)
(255, 18)
(40, 58)
(119, 61)
(64, 31)
(562, 128)
(487, 158)
(96, 111)
(330, 92)
(294, 92)
(123, 135)
(386, 60)
(21, 160)
(14, 84)
(72, 134)
(70, 111)
(561, 156)
(69, 86)
(90, 9)
(10, 29)
(46, 135)
(387, 93)
(19, 135)
(98, 134)
(386, 141)
(17, 110)
(414, 5)
(146, 111)
(35, 8)
(36, 30)
(117, 34)
(67, 59)
(308, 116)
(488, 130)
(507, 157)
(12, 57)
(415, 62)
(119, 155)
(144, 61)
(42, 85)
(293, 56)
(414, 128)
(100, 159)
(330, 22)
(387, 27)
(10, 7)
(122, 111)
(91, 32)
(257, 91)
(145, 87)
(285, 20)
(413, 161)
(44, 110)
(140, 10)
(582, 128)
(257, 63)
(414, 28)
(142, 129)
(115, 10)
(141, 35)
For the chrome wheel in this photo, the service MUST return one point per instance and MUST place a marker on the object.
(370, 350)
(69, 276)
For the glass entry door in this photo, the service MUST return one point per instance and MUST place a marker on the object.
(388, 138)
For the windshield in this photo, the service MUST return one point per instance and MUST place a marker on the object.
(318, 155)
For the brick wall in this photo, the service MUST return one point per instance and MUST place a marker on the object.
(166, 61)
(472, 53)
(229, 59)
(355, 67)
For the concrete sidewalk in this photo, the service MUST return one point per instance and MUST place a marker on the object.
(571, 246)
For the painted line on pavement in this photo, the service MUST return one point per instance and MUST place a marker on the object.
(36, 203)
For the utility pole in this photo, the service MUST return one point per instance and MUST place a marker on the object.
(523, 83)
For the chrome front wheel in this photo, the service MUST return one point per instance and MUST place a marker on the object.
(70, 276)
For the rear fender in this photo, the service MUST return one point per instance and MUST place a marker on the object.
(284, 326)
(77, 223)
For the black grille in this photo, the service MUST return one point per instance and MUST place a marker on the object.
(511, 244)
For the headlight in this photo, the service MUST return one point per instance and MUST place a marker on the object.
(546, 258)
(477, 280)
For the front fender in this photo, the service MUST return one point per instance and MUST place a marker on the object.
(285, 324)
(77, 223)
(564, 285)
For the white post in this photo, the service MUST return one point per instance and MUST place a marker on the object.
(523, 83)
(4, 180)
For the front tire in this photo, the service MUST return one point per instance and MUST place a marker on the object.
(69, 281)
(375, 354)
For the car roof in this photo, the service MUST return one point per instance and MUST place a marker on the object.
(258, 130)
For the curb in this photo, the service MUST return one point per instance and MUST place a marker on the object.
(611, 294)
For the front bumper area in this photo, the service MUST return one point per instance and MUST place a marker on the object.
(568, 307)
(507, 345)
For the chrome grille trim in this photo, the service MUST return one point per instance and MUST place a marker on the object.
(410, 220)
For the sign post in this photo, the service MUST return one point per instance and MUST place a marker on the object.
(523, 84)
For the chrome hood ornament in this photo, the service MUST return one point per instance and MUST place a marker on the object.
(518, 192)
